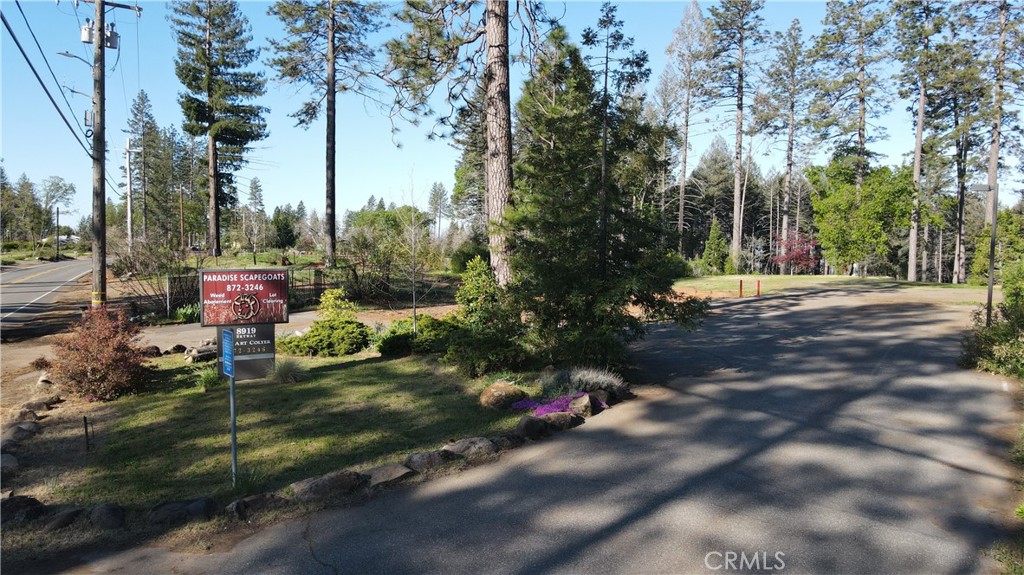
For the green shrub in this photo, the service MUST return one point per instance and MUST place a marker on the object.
(490, 328)
(288, 370)
(465, 253)
(334, 306)
(100, 359)
(9, 246)
(999, 348)
(555, 383)
(328, 338)
(207, 377)
(395, 343)
(188, 313)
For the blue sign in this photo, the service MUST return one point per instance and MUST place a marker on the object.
(227, 337)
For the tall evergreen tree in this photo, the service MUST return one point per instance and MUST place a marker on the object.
(917, 21)
(325, 48)
(736, 29)
(444, 47)
(439, 205)
(789, 80)
(213, 55)
(690, 55)
(618, 74)
(850, 53)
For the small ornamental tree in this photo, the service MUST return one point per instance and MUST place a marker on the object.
(800, 254)
(100, 359)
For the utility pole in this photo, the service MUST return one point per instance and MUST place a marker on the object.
(97, 34)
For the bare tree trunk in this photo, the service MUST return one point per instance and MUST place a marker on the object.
(213, 223)
(787, 183)
(915, 214)
(737, 186)
(331, 109)
(681, 220)
(997, 116)
(498, 158)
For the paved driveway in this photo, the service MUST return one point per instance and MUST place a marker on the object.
(827, 433)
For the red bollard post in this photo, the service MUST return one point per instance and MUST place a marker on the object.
(741, 288)
(758, 288)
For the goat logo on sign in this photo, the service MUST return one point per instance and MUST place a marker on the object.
(245, 306)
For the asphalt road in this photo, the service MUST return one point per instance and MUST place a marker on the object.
(825, 433)
(27, 291)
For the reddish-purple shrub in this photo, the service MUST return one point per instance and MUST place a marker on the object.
(100, 358)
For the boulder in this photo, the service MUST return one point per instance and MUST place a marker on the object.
(604, 397)
(151, 351)
(63, 519)
(508, 441)
(107, 516)
(562, 420)
(531, 427)
(471, 447)
(44, 379)
(585, 405)
(19, 431)
(208, 342)
(18, 508)
(178, 348)
(174, 512)
(339, 482)
(500, 395)
(199, 357)
(24, 415)
(429, 459)
(242, 508)
(8, 444)
(37, 405)
(8, 463)
(386, 475)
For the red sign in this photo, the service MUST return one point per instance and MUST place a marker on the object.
(243, 297)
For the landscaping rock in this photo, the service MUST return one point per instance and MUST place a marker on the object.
(8, 444)
(508, 441)
(36, 406)
(208, 342)
(63, 519)
(386, 475)
(472, 447)
(151, 351)
(6, 494)
(19, 431)
(173, 512)
(500, 395)
(562, 420)
(585, 405)
(339, 482)
(242, 508)
(8, 463)
(24, 415)
(53, 400)
(18, 508)
(604, 397)
(531, 427)
(107, 516)
(44, 379)
(178, 348)
(201, 356)
(429, 459)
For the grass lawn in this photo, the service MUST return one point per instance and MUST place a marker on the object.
(352, 413)
(729, 285)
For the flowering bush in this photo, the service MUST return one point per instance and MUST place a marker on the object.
(544, 407)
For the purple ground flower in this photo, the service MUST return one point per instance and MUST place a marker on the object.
(556, 405)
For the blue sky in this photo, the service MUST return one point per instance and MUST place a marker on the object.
(290, 162)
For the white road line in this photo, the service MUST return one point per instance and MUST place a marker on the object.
(46, 294)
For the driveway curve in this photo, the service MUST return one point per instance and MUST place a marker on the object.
(814, 432)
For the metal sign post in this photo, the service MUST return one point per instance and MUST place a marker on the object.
(228, 344)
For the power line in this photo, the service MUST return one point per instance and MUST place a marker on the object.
(45, 61)
(42, 85)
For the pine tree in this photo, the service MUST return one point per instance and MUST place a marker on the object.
(443, 47)
(736, 29)
(325, 48)
(690, 55)
(850, 53)
(784, 111)
(439, 205)
(213, 39)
